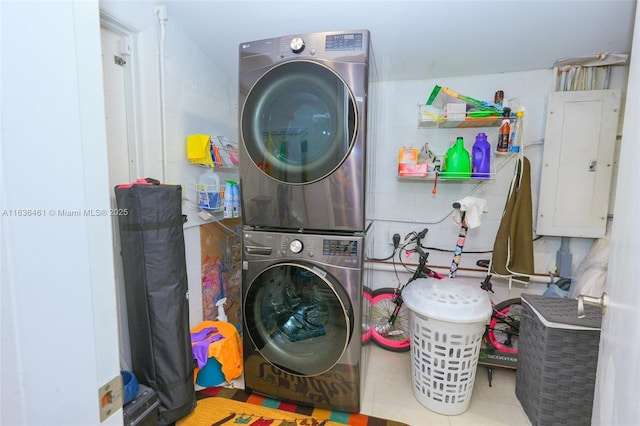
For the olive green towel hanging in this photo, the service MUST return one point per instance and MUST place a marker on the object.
(513, 247)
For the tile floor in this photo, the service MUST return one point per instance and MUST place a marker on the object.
(388, 393)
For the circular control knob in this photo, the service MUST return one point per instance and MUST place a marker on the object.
(295, 246)
(297, 45)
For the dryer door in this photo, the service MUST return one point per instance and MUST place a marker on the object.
(299, 318)
(299, 122)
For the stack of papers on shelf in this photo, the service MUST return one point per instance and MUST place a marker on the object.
(456, 111)
(225, 152)
(429, 113)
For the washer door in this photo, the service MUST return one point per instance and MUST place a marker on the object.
(299, 318)
(299, 122)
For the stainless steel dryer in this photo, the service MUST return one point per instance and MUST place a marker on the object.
(303, 103)
(302, 298)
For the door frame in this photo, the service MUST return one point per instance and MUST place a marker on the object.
(133, 131)
(132, 91)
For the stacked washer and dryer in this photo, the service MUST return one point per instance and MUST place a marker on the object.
(303, 159)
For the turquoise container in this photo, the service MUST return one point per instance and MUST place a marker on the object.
(211, 374)
(457, 162)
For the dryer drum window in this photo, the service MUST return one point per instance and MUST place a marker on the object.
(300, 321)
(299, 122)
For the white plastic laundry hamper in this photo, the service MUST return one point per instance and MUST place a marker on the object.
(448, 318)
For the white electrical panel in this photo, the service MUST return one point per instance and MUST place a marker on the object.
(577, 164)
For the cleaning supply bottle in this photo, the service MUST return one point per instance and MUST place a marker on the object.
(518, 134)
(505, 132)
(222, 315)
(235, 200)
(228, 199)
(457, 163)
(209, 190)
(481, 157)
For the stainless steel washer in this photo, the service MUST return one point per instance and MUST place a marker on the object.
(302, 296)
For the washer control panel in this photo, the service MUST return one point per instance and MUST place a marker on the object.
(339, 248)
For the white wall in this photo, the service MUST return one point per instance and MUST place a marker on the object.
(409, 205)
(198, 98)
(59, 341)
(59, 334)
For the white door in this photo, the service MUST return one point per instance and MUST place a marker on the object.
(113, 65)
(618, 376)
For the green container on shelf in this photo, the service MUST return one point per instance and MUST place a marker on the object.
(457, 162)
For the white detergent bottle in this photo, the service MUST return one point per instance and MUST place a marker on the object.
(209, 190)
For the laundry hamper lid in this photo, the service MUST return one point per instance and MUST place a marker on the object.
(449, 299)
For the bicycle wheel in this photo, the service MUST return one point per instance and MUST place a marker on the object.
(367, 297)
(504, 326)
(394, 337)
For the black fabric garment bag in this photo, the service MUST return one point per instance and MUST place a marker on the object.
(155, 274)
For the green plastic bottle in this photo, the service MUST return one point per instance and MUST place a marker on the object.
(457, 161)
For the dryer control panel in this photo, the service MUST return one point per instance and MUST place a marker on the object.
(351, 46)
(342, 42)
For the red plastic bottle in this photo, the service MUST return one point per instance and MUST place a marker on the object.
(505, 132)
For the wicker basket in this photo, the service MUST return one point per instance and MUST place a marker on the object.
(557, 360)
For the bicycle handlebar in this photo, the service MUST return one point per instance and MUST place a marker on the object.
(423, 255)
(422, 234)
(419, 236)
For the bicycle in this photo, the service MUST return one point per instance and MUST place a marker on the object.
(390, 318)
(500, 341)
(504, 326)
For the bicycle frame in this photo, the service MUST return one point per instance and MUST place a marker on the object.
(397, 302)
(511, 323)
(397, 298)
(390, 329)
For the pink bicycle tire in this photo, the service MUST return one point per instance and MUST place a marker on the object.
(367, 297)
(382, 307)
(502, 310)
